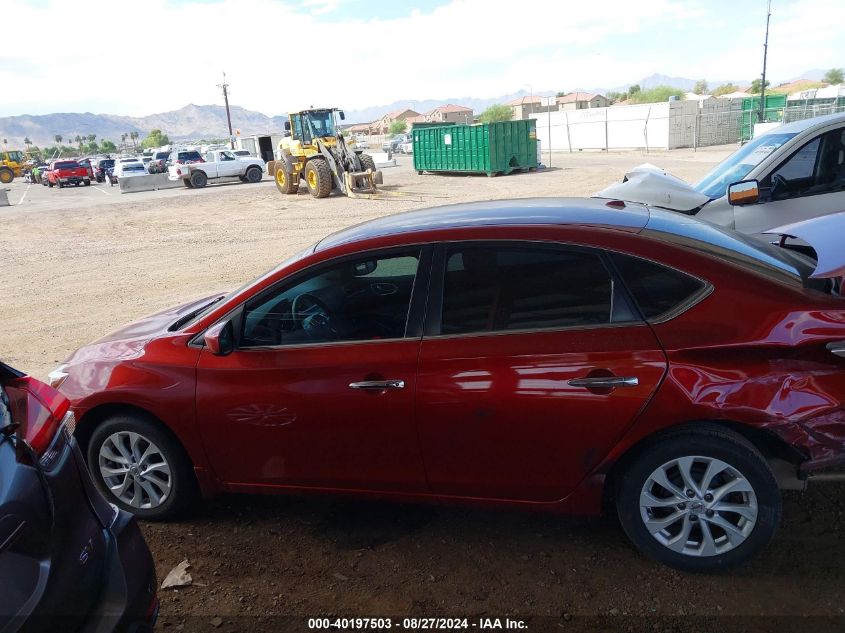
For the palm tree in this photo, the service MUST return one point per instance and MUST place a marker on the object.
(26, 141)
(134, 136)
(91, 138)
(123, 138)
(58, 138)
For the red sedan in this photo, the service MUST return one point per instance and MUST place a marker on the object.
(551, 354)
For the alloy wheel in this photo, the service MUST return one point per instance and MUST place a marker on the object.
(698, 506)
(135, 470)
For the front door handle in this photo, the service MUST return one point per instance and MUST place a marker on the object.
(378, 384)
(605, 382)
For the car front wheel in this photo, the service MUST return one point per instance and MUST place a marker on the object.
(140, 468)
(699, 501)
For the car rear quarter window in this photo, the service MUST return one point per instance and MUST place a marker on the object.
(659, 292)
(501, 288)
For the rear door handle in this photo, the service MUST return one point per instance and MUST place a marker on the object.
(605, 381)
(378, 384)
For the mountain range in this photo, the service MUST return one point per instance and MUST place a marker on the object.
(209, 121)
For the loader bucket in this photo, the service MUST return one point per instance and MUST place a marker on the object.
(359, 182)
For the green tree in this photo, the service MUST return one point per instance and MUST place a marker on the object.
(397, 127)
(561, 94)
(134, 137)
(495, 113)
(634, 89)
(58, 139)
(656, 94)
(5, 142)
(614, 96)
(108, 146)
(755, 86)
(123, 138)
(156, 138)
(834, 76)
(27, 142)
(700, 87)
(725, 89)
(91, 138)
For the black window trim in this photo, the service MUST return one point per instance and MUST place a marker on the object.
(416, 308)
(434, 312)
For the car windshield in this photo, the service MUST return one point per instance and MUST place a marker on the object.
(739, 164)
(322, 123)
(133, 167)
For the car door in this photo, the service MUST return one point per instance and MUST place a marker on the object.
(532, 365)
(320, 389)
(809, 183)
(228, 164)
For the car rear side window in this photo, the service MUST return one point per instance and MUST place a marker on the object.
(499, 288)
(658, 291)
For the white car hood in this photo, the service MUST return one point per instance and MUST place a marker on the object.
(824, 234)
(648, 184)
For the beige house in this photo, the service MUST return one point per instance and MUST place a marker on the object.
(582, 101)
(382, 126)
(361, 128)
(524, 107)
(450, 113)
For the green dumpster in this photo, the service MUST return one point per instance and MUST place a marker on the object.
(489, 148)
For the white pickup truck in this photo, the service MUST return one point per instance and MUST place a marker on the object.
(217, 164)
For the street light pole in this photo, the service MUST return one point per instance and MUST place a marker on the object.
(225, 87)
(765, 54)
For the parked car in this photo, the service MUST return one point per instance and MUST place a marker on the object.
(185, 157)
(793, 172)
(126, 168)
(392, 145)
(407, 147)
(86, 163)
(216, 164)
(67, 172)
(159, 163)
(45, 175)
(549, 353)
(101, 167)
(69, 561)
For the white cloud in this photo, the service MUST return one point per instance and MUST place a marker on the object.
(142, 57)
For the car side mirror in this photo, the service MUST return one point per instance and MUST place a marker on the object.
(220, 338)
(744, 192)
(287, 126)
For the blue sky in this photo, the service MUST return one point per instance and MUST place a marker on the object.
(282, 54)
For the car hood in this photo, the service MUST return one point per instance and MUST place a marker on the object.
(650, 185)
(824, 234)
(155, 324)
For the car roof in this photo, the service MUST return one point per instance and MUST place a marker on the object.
(526, 211)
(806, 124)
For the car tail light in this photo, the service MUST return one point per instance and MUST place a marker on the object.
(44, 414)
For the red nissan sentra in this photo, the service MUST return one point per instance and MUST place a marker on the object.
(537, 353)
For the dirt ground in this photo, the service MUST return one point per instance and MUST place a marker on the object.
(78, 263)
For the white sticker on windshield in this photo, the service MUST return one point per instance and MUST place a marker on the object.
(760, 153)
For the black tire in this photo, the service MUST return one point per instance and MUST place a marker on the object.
(367, 162)
(254, 174)
(188, 183)
(708, 441)
(6, 175)
(198, 179)
(318, 177)
(183, 484)
(60, 184)
(50, 184)
(87, 182)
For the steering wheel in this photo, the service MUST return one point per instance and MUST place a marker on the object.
(780, 186)
(313, 315)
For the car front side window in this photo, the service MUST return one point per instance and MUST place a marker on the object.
(818, 167)
(358, 299)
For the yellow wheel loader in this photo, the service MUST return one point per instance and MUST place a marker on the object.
(315, 151)
(10, 165)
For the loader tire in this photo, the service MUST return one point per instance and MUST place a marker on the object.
(284, 182)
(318, 177)
(6, 175)
(367, 162)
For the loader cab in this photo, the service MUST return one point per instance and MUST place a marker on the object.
(307, 125)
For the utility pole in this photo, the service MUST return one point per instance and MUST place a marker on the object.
(225, 87)
(765, 54)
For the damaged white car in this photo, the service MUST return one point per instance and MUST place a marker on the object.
(792, 173)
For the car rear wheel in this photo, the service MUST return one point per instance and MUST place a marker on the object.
(198, 179)
(253, 175)
(141, 468)
(699, 501)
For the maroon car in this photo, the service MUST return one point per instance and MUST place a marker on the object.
(548, 354)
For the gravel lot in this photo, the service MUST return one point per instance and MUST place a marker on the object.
(78, 263)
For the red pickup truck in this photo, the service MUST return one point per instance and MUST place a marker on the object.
(67, 172)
